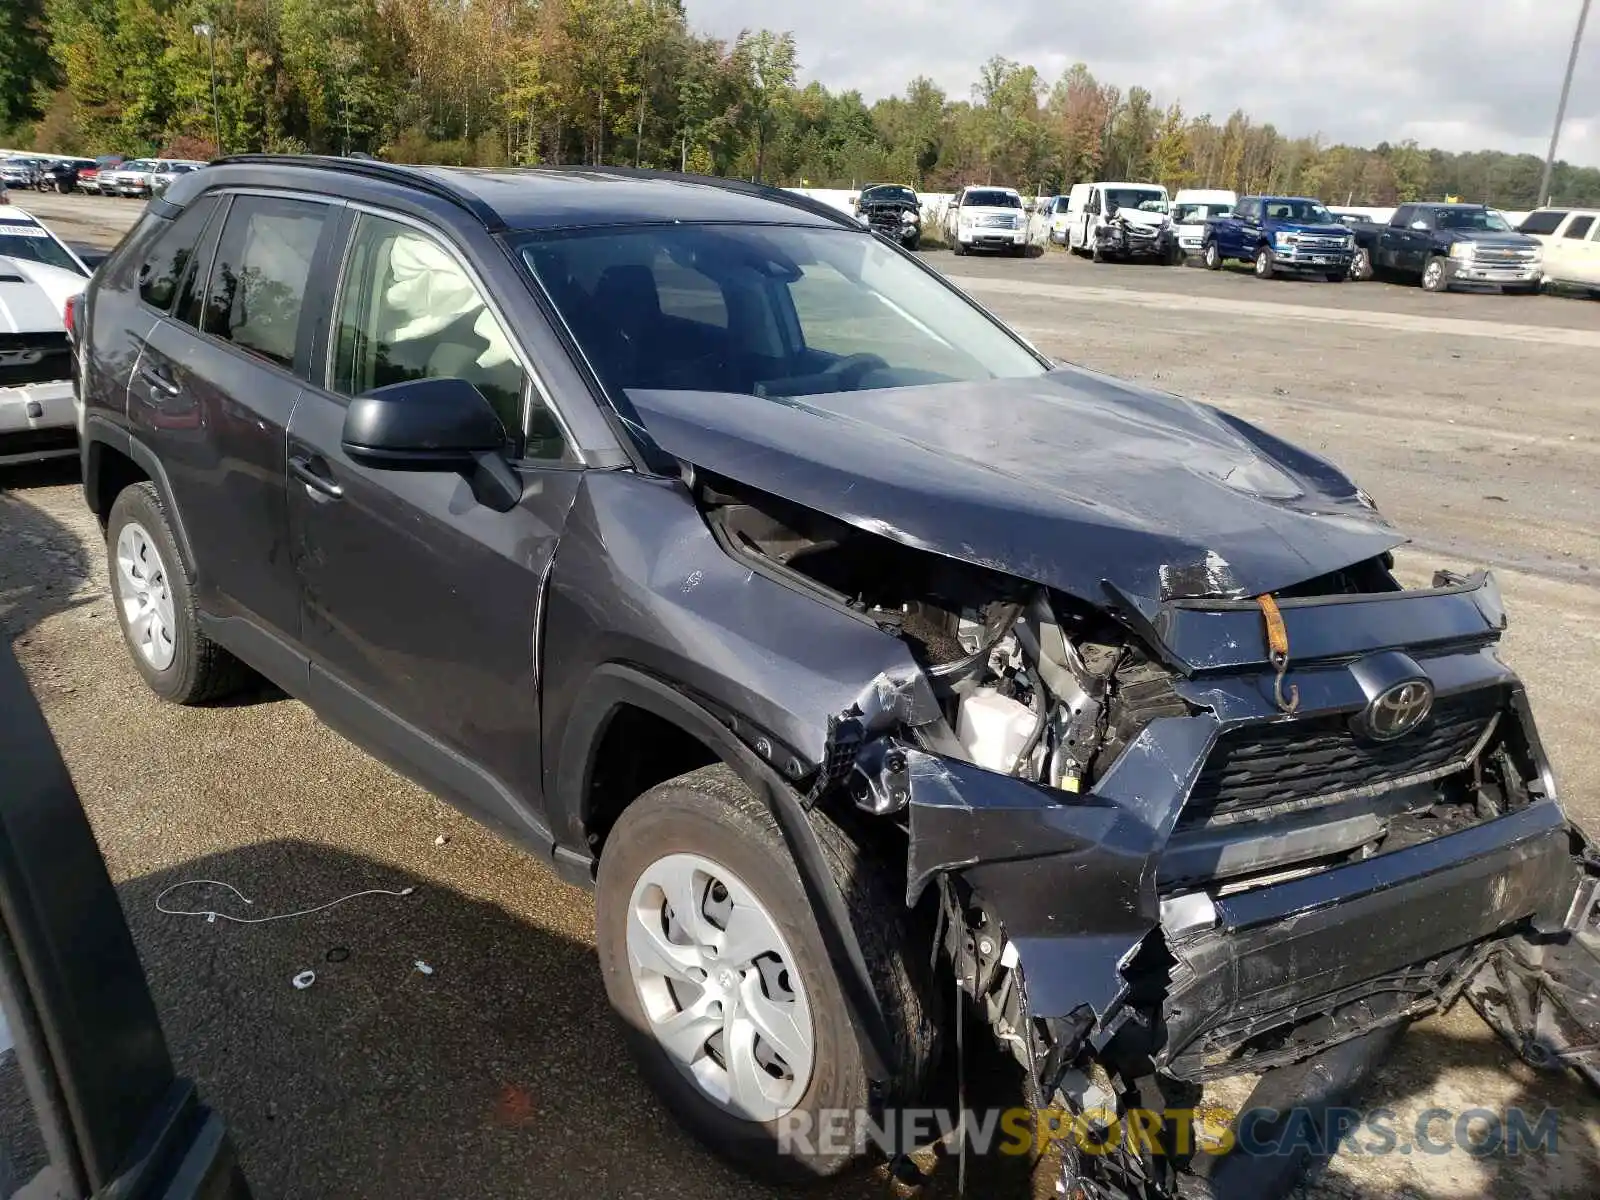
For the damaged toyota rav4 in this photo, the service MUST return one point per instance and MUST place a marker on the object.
(860, 657)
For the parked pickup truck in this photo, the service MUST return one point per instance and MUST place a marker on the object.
(1280, 235)
(1440, 245)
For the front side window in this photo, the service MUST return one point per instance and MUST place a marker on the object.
(807, 311)
(1135, 199)
(170, 256)
(1306, 212)
(1546, 222)
(1471, 218)
(258, 282)
(409, 310)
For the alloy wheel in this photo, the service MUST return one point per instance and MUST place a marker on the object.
(720, 987)
(145, 595)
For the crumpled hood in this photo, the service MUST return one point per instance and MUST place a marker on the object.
(1071, 479)
(1138, 216)
(33, 296)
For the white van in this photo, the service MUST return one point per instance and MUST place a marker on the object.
(1571, 241)
(1090, 207)
(1193, 207)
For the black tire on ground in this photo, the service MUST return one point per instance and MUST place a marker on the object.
(1096, 256)
(1265, 263)
(711, 813)
(1436, 280)
(956, 247)
(1361, 265)
(913, 241)
(1211, 255)
(200, 670)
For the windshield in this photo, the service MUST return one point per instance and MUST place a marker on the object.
(764, 311)
(1135, 198)
(30, 242)
(1472, 218)
(992, 199)
(1185, 214)
(889, 194)
(1308, 212)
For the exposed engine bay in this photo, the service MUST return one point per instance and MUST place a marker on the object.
(1149, 862)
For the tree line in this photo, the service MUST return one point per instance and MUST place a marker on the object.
(629, 82)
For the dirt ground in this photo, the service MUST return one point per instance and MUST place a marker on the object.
(1472, 421)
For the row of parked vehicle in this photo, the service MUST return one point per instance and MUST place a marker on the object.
(1437, 245)
(107, 175)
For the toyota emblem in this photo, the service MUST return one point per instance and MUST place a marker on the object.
(1397, 711)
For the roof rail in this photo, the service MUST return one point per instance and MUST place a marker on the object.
(763, 190)
(371, 168)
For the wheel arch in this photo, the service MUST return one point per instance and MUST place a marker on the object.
(112, 460)
(616, 690)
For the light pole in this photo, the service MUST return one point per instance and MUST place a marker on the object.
(1561, 108)
(205, 30)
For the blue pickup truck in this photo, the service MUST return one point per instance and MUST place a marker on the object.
(1280, 235)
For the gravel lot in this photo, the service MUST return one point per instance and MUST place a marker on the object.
(1471, 419)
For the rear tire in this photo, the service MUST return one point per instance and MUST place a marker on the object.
(1361, 265)
(154, 602)
(697, 826)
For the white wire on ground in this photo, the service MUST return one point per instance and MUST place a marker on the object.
(211, 915)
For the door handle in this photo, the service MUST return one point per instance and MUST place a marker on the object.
(317, 484)
(159, 382)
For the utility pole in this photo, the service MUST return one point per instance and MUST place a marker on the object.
(1561, 108)
(205, 30)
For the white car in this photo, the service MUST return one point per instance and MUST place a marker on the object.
(38, 275)
(1571, 241)
(1192, 208)
(1119, 220)
(987, 218)
(1054, 215)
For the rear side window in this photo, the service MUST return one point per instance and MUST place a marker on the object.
(258, 282)
(161, 272)
(1579, 228)
(1543, 222)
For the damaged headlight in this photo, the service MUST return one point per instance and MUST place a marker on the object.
(910, 218)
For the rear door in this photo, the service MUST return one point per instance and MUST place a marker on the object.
(420, 605)
(213, 394)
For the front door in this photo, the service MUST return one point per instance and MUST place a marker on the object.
(420, 605)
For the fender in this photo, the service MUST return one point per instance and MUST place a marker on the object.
(614, 685)
(99, 432)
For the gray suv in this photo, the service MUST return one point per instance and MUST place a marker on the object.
(735, 563)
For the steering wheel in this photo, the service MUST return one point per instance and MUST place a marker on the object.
(853, 368)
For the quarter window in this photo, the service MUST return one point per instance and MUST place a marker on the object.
(159, 276)
(409, 310)
(258, 282)
(1579, 227)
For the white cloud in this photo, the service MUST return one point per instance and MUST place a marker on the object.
(1454, 74)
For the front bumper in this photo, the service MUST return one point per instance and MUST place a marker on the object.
(38, 421)
(1297, 258)
(983, 237)
(1192, 242)
(1174, 895)
(1468, 270)
(1114, 240)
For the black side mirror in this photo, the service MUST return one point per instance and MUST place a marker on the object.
(434, 425)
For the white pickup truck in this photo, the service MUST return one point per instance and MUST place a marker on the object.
(1192, 208)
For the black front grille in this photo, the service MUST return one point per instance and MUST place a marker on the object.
(34, 358)
(1261, 770)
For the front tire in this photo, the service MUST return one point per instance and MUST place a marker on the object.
(1266, 263)
(154, 601)
(1435, 278)
(956, 247)
(712, 956)
(1212, 256)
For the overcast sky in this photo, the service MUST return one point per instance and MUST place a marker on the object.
(1454, 74)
